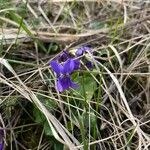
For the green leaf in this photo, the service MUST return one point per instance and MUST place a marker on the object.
(70, 125)
(47, 129)
(19, 20)
(87, 86)
(39, 117)
(58, 146)
(85, 118)
(97, 25)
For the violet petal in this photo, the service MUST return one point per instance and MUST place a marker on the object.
(59, 86)
(74, 85)
(82, 49)
(68, 66)
(79, 52)
(89, 64)
(63, 56)
(56, 67)
(86, 48)
(1, 146)
(65, 82)
(76, 64)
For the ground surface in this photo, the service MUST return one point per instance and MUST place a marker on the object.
(110, 109)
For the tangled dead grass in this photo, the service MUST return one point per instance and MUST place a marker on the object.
(118, 31)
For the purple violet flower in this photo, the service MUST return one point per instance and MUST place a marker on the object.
(76, 64)
(64, 83)
(63, 73)
(80, 51)
(1, 146)
(57, 68)
(67, 68)
(89, 64)
(63, 56)
(1, 139)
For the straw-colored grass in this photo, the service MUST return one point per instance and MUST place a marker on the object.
(111, 108)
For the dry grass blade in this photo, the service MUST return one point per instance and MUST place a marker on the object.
(57, 1)
(110, 109)
(28, 94)
(117, 55)
(61, 37)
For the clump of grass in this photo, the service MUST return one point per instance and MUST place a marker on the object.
(109, 110)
